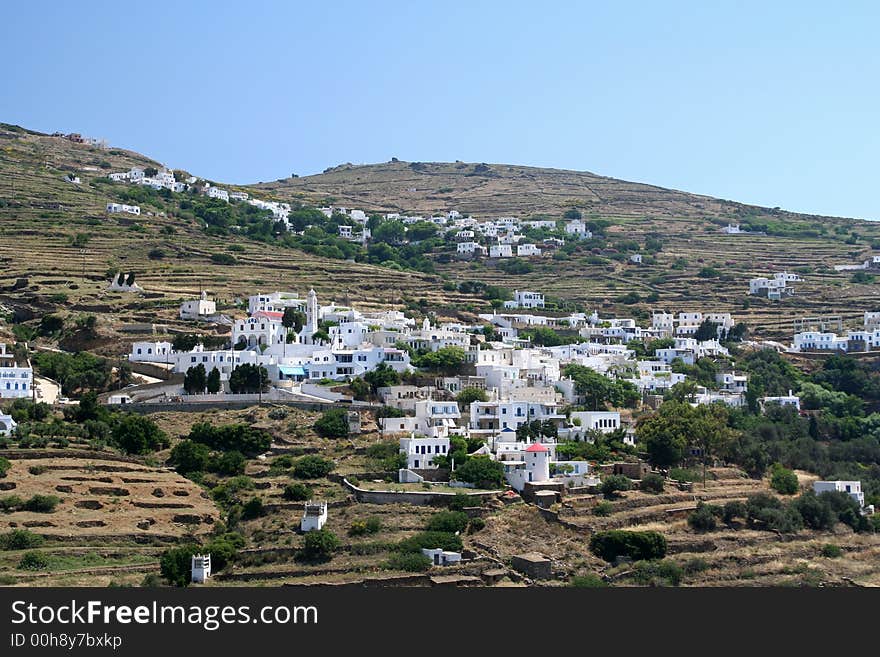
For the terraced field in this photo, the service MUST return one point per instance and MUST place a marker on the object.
(729, 556)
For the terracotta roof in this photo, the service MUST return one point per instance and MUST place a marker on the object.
(536, 447)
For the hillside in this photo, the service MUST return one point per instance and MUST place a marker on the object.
(57, 238)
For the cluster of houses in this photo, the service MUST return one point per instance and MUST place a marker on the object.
(164, 178)
(774, 288)
(494, 238)
(865, 339)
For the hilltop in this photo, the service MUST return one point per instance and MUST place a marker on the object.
(503, 189)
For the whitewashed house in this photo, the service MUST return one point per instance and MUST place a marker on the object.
(216, 192)
(114, 208)
(501, 251)
(578, 229)
(851, 488)
(440, 557)
(527, 250)
(238, 196)
(198, 308)
(470, 248)
(525, 299)
(783, 400)
(150, 352)
(16, 379)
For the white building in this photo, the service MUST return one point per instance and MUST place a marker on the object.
(7, 424)
(851, 488)
(636, 258)
(314, 516)
(525, 299)
(274, 302)
(198, 308)
(16, 380)
(784, 400)
(150, 352)
(578, 229)
(216, 192)
(440, 557)
(201, 568)
(527, 250)
(238, 196)
(501, 251)
(121, 207)
(604, 421)
(470, 248)
(421, 451)
(535, 467)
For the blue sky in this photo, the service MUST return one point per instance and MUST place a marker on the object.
(773, 105)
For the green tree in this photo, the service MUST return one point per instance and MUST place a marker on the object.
(195, 380)
(293, 319)
(469, 395)
(248, 379)
(382, 376)
(188, 456)
(481, 471)
(175, 564)
(136, 434)
(212, 383)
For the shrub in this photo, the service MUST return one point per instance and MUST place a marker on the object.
(20, 539)
(783, 481)
(683, 474)
(733, 510)
(253, 508)
(312, 466)
(652, 483)
(33, 561)
(603, 508)
(703, 519)
(613, 484)
(10, 502)
(363, 527)
(41, 504)
(332, 424)
(297, 492)
(4, 466)
(476, 525)
(588, 581)
(461, 501)
(637, 545)
(410, 562)
(319, 545)
(277, 414)
(657, 573)
(447, 521)
(831, 551)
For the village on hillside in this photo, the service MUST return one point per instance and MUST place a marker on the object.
(311, 435)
